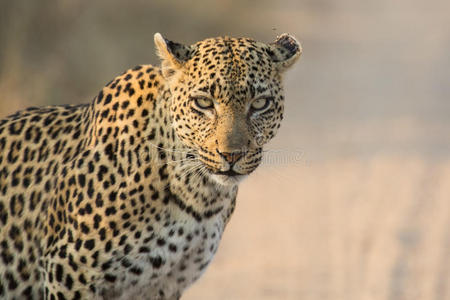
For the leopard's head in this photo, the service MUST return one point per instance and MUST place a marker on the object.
(227, 98)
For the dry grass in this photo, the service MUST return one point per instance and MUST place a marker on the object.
(343, 229)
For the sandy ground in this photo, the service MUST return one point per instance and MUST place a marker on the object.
(342, 229)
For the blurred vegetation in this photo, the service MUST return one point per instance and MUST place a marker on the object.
(63, 51)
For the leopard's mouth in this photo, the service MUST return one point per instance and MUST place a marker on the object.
(225, 174)
(225, 178)
(230, 173)
(215, 171)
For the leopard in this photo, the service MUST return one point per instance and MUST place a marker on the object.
(128, 196)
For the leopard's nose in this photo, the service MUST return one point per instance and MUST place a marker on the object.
(231, 157)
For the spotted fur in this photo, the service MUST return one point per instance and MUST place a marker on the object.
(127, 197)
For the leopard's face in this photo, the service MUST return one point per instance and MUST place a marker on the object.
(227, 99)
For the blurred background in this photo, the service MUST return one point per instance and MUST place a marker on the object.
(353, 199)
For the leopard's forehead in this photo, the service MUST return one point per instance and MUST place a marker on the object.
(227, 44)
(229, 54)
(240, 66)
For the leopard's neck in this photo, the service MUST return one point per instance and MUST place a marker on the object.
(145, 142)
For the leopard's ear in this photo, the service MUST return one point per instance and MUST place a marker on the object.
(284, 51)
(173, 55)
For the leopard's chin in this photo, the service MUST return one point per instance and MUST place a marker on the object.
(227, 181)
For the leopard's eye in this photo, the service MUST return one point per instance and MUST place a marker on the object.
(261, 104)
(203, 103)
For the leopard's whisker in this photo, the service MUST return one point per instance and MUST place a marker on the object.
(189, 170)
